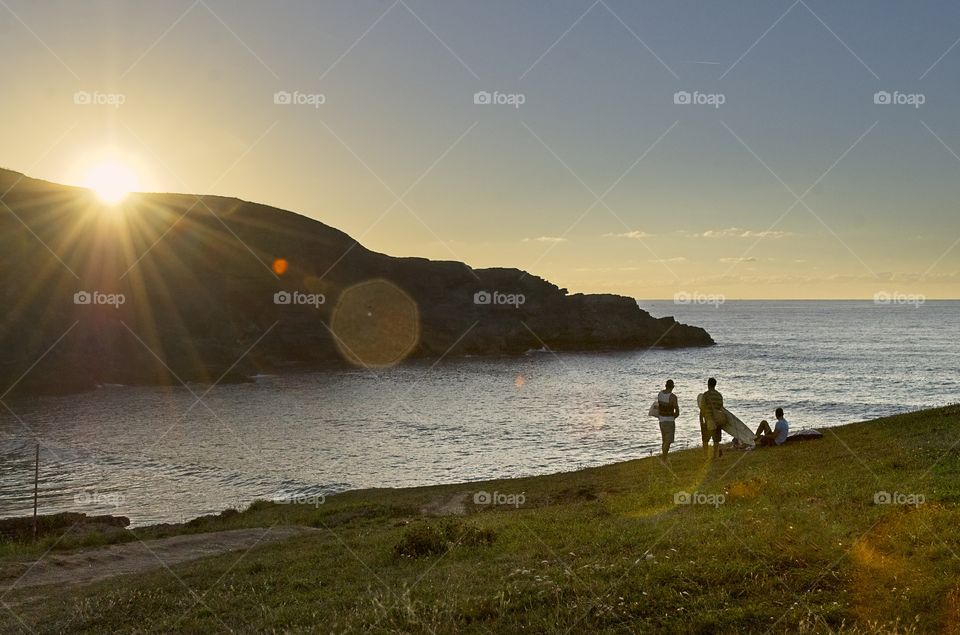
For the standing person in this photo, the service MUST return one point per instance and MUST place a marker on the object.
(712, 417)
(778, 436)
(668, 409)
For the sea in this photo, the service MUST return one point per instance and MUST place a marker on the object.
(158, 454)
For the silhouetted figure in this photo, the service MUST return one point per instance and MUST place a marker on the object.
(668, 410)
(712, 417)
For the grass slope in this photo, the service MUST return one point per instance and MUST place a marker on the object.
(794, 542)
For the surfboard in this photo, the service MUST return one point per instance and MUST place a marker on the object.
(738, 429)
(734, 427)
(804, 435)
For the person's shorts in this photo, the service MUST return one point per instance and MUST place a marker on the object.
(708, 432)
(669, 430)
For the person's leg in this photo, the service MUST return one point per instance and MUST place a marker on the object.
(764, 428)
(667, 431)
(705, 436)
(717, 437)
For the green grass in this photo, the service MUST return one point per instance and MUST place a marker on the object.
(797, 545)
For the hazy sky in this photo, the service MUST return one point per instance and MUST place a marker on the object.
(797, 185)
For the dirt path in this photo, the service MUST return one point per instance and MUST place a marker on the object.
(454, 506)
(91, 565)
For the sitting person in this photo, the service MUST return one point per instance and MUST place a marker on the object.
(777, 436)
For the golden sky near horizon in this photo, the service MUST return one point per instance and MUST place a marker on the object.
(501, 136)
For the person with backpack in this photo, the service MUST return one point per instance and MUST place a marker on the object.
(668, 409)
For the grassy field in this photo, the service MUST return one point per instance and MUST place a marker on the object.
(794, 539)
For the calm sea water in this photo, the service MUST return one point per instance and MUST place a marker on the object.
(155, 455)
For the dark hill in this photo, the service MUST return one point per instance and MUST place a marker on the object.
(200, 298)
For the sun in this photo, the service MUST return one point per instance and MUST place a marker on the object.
(111, 181)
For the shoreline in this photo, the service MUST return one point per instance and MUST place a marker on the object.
(109, 520)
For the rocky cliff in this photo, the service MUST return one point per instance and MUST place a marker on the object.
(175, 287)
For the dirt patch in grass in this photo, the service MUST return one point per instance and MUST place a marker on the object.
(91, 565)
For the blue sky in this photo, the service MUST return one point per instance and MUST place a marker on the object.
(599, 181)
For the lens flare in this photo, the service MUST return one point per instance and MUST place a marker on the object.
(280, 266)
(376, 324)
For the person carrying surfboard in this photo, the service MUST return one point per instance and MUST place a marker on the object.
(712, 417)
(668, 409)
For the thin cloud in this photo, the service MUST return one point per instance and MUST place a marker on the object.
(635, 235)
(546, 239)
(748, 259)
(737, 232)
(674, 260)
